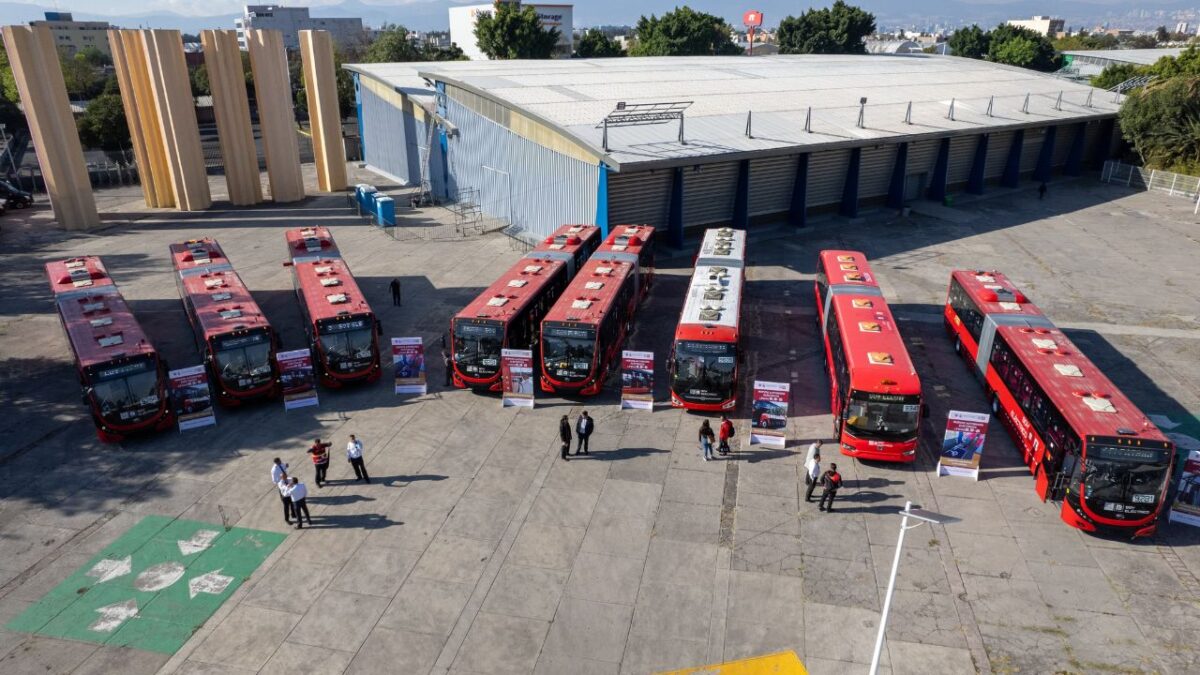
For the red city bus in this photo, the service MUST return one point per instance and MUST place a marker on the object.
(703, 363)
(842, 272)
(572, 244)
(505, 316)
(343, 332)
(124, 379)
(235, 337)
(632, 244)
(875, 394)
(1082, 439)
(583, 332)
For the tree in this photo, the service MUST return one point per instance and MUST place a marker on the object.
(595, 44)
(509, 32)
(1115, 74)
(8, 83)
(79, 75)
(971, 43)
(1162, 122)
(94, 57)
(1186, 63)
(1028, 49)
(103, 124)
(392, 46)
(200, 83)
(683, 32)
(1161, 34)
(1140, 42)
(839, 29)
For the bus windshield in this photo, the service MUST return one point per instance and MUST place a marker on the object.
(126, 393)
(884, 417)
(567, 353)
(477, 347)
(348, 344)
(704, 371)
(1124, 481)
(243, 361)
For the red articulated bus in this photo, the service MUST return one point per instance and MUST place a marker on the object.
(124, 379)
(505, 316)
(343, 332)
(703, 363)
(237, 341)
(632, 244)
(583, 332)
(1084, 441)
(572, 244)
(841, 273)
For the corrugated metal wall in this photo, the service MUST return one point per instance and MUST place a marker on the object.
(1062, 144)
(437, 171)
(962, 155)
(922, 155)
(826, 176)
(998, 146)
(1032, 148)
(528, 185)
(639, 198)
(387, 140)
(708, 193)
(771, 180)
(875, 171)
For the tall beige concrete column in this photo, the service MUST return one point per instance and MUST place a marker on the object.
(324, 113)
(34, 60)
(276, 119)
(228, 84)
(177, 119)
(141, 115)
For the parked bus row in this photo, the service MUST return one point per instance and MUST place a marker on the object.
(124, 379)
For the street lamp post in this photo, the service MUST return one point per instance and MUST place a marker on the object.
(923, 517)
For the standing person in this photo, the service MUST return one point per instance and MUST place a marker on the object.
(448, 364)
(284, 486)
(812, 475)
(395, 286)
(707, 438)
(278, 470)
(299, 495)
(725, 432)
(1042, 191)
(564, 432)
(584, 428)
(354, 455)
(320, 459)
(813, 450)
(831, 480)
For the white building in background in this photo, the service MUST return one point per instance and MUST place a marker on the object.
(72, 36)
(1044, 25)
(291, 20)
(463, 20)
(1183, 27)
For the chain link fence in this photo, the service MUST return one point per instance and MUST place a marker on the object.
(1174, 184)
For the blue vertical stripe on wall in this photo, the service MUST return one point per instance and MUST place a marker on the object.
(976, 180)
(1074, 165)
(895, 198)
(741, 198)
(1012, 166)
(849, 206)
(675, 209)
(362, 146)
(798, 213)
(602, 201)
(1046, 157)
(937, 185)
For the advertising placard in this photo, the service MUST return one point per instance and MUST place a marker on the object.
(408, 363)
(191, 398)
(516, 372)
(299, 381)
(769, 415)
(962, 446)
(637, 380)
(1186, 508)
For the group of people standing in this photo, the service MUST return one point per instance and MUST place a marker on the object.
(294, 493)
(584, 426)
(718, 440)
(830, 481)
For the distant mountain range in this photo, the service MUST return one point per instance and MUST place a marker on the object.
(431, 14)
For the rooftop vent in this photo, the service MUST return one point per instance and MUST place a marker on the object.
(111, 340)
(228, 314)
(845, 258)
(532, 269)
(714, 293)
(1010, 306)
(556, 247)
(80, 276)
(336, 298)
(870, 327)
(725, 232)
(985, 278)
(331, 281)
(497, 301)
(89, 307)
(219, 297)
(881, 358)
(1068, 370)
(1099, 404)
(104, 321)
(581, 304)
(214, 283)
(711, 313)
(517, 283)
(575, 229)
(75, 262)
(323, 269)
(594, 285)
(848, 267)
(861, 303)
(1042, 343)
(604, 270)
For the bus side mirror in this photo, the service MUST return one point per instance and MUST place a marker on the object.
(288, 263)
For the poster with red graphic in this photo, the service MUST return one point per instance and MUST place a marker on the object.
(408, 364)
(298, 379)
(769, 414)
(1186, 508)
(962, 446)
(516, 373)
(637, 380)
(192, 398)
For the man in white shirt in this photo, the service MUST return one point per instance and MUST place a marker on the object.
(354, 454)
(299, 495)
(284, 486)
(278, 470)
(812, 469)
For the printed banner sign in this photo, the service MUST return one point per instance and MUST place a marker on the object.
(1186, 508)
(191, 398)
(298, 379)
(637, 380)
(769, 417)
(408, 362)
(516, 372)
(962, 446)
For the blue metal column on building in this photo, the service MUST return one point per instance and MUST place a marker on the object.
(741, 199)
(602, 201)
(1012, 167)
(1045, 164)
(675, 210)
(976, 180)
(849, 207)
(1074, 165)
(941, 169)
(895, 198)
(797, 214)
(362, 140)
(1103, 145)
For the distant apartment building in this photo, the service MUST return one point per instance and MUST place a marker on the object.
(290, 21)
(72, 35)
(1043, 25)
(1183, 28)
(463, 20)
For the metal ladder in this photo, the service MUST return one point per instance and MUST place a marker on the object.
(425, 196)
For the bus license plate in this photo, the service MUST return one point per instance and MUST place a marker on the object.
(1143, 499)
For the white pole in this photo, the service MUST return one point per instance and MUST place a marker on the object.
(1197, 209)
(887, 600)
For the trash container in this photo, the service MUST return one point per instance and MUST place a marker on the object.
(385, 211)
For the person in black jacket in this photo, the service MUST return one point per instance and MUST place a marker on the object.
(564, 432)
(584, 428)
(831, 480)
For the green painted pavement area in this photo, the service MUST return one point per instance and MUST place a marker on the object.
(151, 588)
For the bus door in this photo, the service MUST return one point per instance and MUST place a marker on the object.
(1047, 470)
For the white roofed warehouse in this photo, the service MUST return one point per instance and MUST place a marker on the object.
(681, 142)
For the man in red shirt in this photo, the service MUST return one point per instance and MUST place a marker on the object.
(320, 459)
(724, 434)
